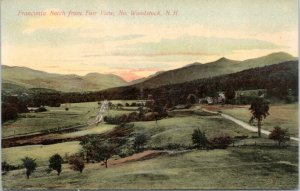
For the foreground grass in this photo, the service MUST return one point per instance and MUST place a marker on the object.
(235, 168)
(284, 115)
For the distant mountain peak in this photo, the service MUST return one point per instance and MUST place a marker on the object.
(223, 59)
(192, 64)
(281, 54)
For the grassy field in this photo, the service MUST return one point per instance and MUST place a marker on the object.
(178, 130)
(41, 153)
(55, 118)
(285, 115)
(246, 167)
(101, 128)
(163, 133)
(235, 168)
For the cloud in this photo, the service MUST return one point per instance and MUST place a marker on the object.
(193, 46)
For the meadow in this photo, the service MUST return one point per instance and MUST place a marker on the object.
(234, 168)
(175, 130)
(41, 153)
(55, 118)
(283, 115)
(248, 164)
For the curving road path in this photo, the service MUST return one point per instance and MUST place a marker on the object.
(245, 125)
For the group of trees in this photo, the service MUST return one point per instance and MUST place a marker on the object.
(280, 81)
(11, 106)
(55, 163)
(150, 112)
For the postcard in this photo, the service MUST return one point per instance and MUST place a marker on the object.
(111, 94)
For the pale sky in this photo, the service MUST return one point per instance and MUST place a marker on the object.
(138, 46)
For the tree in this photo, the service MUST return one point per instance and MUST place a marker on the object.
(104, 151)
(259, 109)
(139, 142)
(76, 162)
(9, 112)
(55, 162)
(280, 135)
(141, 113)
(199, 139)
(30, 165)
(191, 99)
(229, 94)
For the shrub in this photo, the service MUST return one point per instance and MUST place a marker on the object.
(115, 120)
(7, 167)
(126, 151)
(199, 139)
(139, 142)
(133, 104)
(55, 162)
(30, 165)
(280, 135)
(221, 142)
(119, 106)
(76, 162)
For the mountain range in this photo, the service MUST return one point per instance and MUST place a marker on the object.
(25, 78)
(219, 67)
(29, 78)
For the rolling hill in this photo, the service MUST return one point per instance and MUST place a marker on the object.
(22, 77)
(220, 67)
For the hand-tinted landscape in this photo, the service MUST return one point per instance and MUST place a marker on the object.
(150, 102)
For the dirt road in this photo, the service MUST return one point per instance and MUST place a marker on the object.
(245, 125)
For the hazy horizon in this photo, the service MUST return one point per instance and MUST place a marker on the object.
(140, 77)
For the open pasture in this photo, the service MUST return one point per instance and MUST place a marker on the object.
(235, 168)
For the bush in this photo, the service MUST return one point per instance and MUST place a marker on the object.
(30, 165)
(280, 135)
(139, 142)
(116, 120)
(133, 104)
(76, 162)
(7, 167)
(221, 142)
(199, 139)
(119, 106)
(126, 151)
